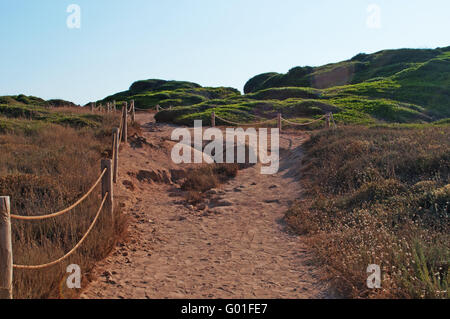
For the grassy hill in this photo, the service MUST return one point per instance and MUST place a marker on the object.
(28, 113)
(392, 86)
(149, 93)
(361, 68)
(36, 101)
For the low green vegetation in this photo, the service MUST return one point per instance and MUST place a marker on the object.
(149, 93)
(35, 101)
(25, 117)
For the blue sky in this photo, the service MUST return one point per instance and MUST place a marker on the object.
(210, 42)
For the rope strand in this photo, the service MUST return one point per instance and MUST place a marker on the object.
(64, 210)
(244, 124)
(304, 124)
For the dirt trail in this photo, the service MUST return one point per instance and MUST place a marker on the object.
(174, 251)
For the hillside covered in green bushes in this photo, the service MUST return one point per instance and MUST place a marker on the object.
(390, 86)
(149, 93)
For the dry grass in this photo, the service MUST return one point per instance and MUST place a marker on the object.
(206, 177)
(44, 171)
(379, 196)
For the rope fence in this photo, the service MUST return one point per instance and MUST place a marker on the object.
(108, 176)
(158, 108)
(42, 266)
(244, 124)
(304, 124)
(279, 119)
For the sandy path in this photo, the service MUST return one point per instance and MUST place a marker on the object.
(240, 251)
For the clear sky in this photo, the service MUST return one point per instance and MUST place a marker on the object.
(210, 42)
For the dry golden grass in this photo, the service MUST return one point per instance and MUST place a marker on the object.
(379, 196)
(44, 171)
(209, 176)
(206, 177)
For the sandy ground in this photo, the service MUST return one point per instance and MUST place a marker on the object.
(238, 249)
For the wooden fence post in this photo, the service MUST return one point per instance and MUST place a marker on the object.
(157, 108)
(107, 186)
(114, 106)
(213, 119)
(116, 153)
(92, 107)
(332, 120)
(133, 113)
(327, 122)
(6, 261)
(279, 121)
(125, 123)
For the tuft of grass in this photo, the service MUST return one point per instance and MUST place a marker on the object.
(210, 176)
(199, 180)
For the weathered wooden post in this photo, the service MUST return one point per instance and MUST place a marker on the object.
(279, 121)
(114, 106)
(6, 261)
(213, 119)
(107, 186)
(327, 122)
(157, 108)
(125, 123)
(92, 107)
(115, 153)
(332, 120)
(133, 113)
